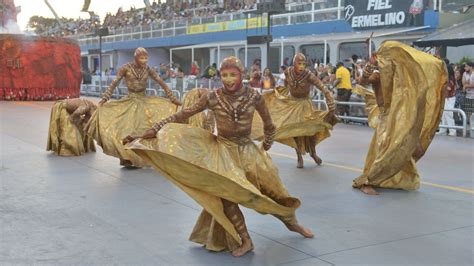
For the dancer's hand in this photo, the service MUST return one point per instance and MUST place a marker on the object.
(149, 134)
(331, 118)
(102, 101)
(128, 139)
(266, 146)
(177, 102)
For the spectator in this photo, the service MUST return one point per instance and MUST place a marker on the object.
(210, 71)
(268, 80)
(163, 71)
(255, 79)
(281, 77)
(460, 94)
(256, 65)
(344, 87)
(447, 118)
(195, 70)
(468, 85)
(86, 76)
(179, 72)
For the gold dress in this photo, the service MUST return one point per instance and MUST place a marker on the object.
(413, 86)
(132, 114)
(229, 166)
(294, 113)
(66, 135)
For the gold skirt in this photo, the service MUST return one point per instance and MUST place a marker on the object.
(131, 115)
(293, 117)
(413, 87)
(209, 168)
(64, 137)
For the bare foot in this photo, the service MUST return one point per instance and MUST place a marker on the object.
(246, 247)
(300, 164)
(128, 164)
(369, 190)
(316, 159)
(301, 230)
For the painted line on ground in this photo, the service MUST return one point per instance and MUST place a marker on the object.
(358, 170)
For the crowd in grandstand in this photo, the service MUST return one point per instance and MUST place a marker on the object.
(156, 13)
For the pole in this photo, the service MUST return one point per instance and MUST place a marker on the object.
(339, 5)
(282, 52)
(246, 55)
(268, 39)
(100, 61)
(325, 52)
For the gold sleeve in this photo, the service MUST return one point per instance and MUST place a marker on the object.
(110, 90)
(184, 114)
(269, 128)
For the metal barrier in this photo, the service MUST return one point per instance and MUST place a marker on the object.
(464, 126)
(464, 121)
(353, 118)
(95, 90)
(471, 123)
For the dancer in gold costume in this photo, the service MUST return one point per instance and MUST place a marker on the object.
(299, 124)
(409, 87)
(131, 114)
(66, 136)
(222, 171)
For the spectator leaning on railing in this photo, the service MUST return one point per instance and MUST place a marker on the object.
(468, 85)
(344, 87)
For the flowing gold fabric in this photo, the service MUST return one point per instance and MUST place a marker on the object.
(413, 86)
(209, 168)
(370, 104)
(64, 137)
(293, 117)
(131, 115)
(203, 119)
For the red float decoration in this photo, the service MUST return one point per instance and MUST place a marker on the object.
(34, 68)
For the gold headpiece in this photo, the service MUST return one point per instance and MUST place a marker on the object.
(140, 51)
(299, 57)
(232, 61)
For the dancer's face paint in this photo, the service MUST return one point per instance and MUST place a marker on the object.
(141, 60)
(300, 66)
(232, 79)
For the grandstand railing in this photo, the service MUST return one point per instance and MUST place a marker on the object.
(324, 10)
(464, 127)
